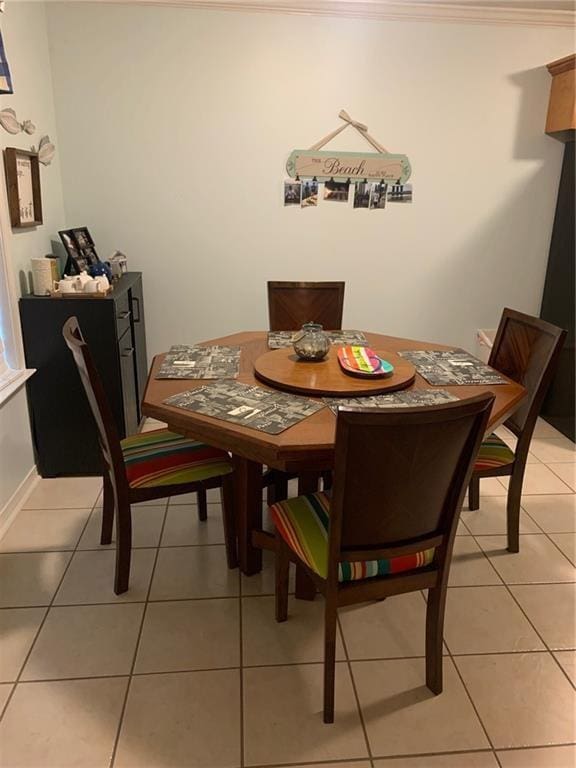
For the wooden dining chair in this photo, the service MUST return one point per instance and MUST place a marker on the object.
(291, 304)
(388, 525)
(527, 350)
(146, 466)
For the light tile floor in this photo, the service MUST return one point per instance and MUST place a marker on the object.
(190, 670)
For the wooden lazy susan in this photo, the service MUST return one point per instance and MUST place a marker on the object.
(282, 369)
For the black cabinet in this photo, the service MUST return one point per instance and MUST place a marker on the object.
(559, 304)
(63, 430)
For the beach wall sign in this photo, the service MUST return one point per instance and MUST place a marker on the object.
(349, 166)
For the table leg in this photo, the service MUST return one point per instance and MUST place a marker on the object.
(248, 508)
(305, 587)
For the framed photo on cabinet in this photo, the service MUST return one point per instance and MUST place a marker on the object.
(80, 249)
(23, 185)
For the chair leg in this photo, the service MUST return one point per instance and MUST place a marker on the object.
(326, 480)
(278, 489)
(202, 505)
(305, 587)
(229, 520)
(282, 563)
(513, 510)
(434, 637)
(474, 494)
(330, 617)
(107, 511)
(123, 548)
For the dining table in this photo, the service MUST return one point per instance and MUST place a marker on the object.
(306, 449)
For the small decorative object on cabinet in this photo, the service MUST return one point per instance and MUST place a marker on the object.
(63, 430)
(80, 249)
(118, 264)
(23, 185)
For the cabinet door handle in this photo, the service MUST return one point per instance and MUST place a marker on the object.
(136, 301)
(127, 352)
(124, 315)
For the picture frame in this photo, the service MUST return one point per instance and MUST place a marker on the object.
(5, 77)
(80, 248)
(23, 186)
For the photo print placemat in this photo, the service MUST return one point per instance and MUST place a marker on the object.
(216, 362)
(415, 398)
(452, 366)
(250, 406)
(281, 339)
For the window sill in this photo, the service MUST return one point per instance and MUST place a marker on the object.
(12, 381)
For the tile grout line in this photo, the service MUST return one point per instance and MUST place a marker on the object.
(47, 611)
(356, 696)
(546, 646)
(188, 670)
(241, 641)
(256, 596)
(137, 646)
(540, 636)
(545, 533)
(389, 758)
(569, 463)
(468, 694)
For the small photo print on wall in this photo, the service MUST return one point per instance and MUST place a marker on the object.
(400, 193)
(378, 195)
(291, 193)
(337, 191)
(309, 193)
(362, 194)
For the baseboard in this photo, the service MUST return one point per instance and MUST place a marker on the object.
(17, 500)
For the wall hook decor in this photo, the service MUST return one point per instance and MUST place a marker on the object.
(349, 166)
(46, 150)
(10, 123)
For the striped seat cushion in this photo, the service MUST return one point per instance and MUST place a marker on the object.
(162, 457)
(493, 454)
(303, 524)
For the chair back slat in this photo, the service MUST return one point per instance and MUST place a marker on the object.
(400, 474)
(108, 436)
(526, 349)
(291, 304)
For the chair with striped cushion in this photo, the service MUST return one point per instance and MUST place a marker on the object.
(388, 525)
(150, 465)
(527, 350)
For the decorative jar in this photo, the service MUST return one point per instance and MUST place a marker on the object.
(311, 343)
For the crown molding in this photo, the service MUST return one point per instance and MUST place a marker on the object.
(393, 10)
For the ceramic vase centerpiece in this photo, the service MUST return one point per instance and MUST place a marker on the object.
(311, 343)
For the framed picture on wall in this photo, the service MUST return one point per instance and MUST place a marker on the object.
(80, 249)
(23, 186)
(5, 78)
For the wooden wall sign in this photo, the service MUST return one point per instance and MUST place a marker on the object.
(349, 166)
(23, 185)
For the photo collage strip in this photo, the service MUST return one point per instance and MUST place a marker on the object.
(374, 195)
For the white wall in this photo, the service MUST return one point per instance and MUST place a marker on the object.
(175, 125)
(25, 38)
(26, 42)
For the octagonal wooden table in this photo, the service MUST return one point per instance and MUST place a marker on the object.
(305, 448)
